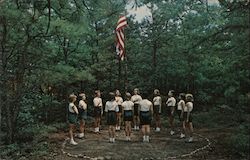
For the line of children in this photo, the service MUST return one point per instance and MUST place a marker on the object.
(133, 109)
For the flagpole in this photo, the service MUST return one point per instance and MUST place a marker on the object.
(120, 47)
(119, 72)
(126, 72)
(126, 60)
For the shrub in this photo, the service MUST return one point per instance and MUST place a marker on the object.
(214, 118)
(9, 150)
(239, 141)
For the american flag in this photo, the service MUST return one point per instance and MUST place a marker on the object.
(120, 46)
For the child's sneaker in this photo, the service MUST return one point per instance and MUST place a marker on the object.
(158, 129)
(73, 142)
(81, 135)
(190, 140)
(172, 132)
(129, 139)
(182, 135)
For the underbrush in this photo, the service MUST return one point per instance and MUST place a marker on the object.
(239, 139)
(31, 142)
(214, 118)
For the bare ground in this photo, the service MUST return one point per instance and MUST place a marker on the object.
(161, 146)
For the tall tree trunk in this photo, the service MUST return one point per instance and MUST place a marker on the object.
(154, 63)
(1, 91)
(16, 90)
(96, 53)
(10, 127)
(154, 54)
(2, 68)
(65, 90)
(1, 105)
(13, 107)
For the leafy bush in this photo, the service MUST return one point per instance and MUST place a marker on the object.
(9, 150)
(239, 141)
(214, 118)
(31, 140)
(35, 132)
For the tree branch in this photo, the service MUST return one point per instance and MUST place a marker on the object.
(48, 25)
(218, 32)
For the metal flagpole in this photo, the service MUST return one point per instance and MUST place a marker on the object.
(119, 72)
(126, 73)
(122, 22)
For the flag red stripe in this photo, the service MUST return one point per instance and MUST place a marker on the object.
(120, 46)
(122, 24)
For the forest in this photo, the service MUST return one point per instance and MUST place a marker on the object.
(52, 48)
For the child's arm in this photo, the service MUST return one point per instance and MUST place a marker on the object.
(133, 108)
(168, 101)
(188, 113)
(160, 101)
(101, 107)
(151, 109)
(106, 107)
(75, 109)
(122, 108)
(182, 108)
(154, 99)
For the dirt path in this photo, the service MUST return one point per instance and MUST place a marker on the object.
(161, 146)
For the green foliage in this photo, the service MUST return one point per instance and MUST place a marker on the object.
(215, 117)
(37, 145)
(49, 52)
(239, 141)
(9, 150)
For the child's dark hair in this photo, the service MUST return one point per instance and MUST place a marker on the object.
(112, 95)
(72, 97)
(182, 96)
(128, 96)
(189, 98)
(156, 92)
(172, 92)
(97, 91)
